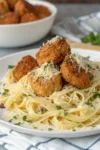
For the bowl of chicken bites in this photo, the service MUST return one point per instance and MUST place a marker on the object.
(23, 22)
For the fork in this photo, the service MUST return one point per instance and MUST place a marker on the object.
(69, 29)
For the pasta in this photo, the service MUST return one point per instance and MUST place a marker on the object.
(68, 109)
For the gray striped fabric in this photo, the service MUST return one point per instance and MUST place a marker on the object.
(12, 140)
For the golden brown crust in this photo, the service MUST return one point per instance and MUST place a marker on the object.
(9, 18)
(29, 17)
(54, 52)
(71, 73)
(22, 7)
(42, 11)
(25, 65)
(46, 88)
(3, 7)
(12, 3)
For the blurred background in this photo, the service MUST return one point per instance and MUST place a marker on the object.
(75, 1)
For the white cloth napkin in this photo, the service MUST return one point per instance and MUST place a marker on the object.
(12, 140)
(86, 24)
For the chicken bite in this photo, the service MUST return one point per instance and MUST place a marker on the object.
(29, 17)
(9, 18)
(25, 65)
(3, 7)
(22, 7)
(53, 51)
(45, 80)
(12, 3)
(42, 11)
(74, 74)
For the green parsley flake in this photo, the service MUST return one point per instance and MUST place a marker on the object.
(58, 107)
(90, 76)
(24, 118)
(18, 123)
(68, 53)
(88, 57)
(89, 67)
(50, 129)
(35, 127)
(89, 103)
(96, 95)
(14, 117)
(27, 95)
(10, 66)
(45, 67)
(33, 73)
(5, 91)
(65, 113)
(66, 59)
(10, 120)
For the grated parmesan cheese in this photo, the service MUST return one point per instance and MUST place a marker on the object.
(55, 39)
(46, 71)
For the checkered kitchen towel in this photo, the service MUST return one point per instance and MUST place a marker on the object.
(72, 28)
(12, 140)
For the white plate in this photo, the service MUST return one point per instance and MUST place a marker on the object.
(12, 60)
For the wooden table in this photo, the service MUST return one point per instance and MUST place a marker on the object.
(64, 10)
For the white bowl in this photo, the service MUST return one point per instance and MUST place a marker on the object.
(17, 35)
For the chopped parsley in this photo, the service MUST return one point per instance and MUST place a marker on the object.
(18, 123)
(14, 117)
(66, 59)
(89, 103)
(33, 73)
(45, 66)
(74, 129)
(90, 76)
(10, 120)
(27, 95)
(50, 129)
(5, 91)
(10, 66)
(89, 67)
(65, 113)
(25, 119)
(58, 107)
(88, 57)
(96, 95)
(35, 127)
(68, 53)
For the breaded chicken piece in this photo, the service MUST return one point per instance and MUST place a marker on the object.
(22, 7)
(25, 65)
(12, 3)
(73, 74)
(9, 18)
(42, 11)
(54, 50)
(46, 88)
(29, 17)
(3, 7)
